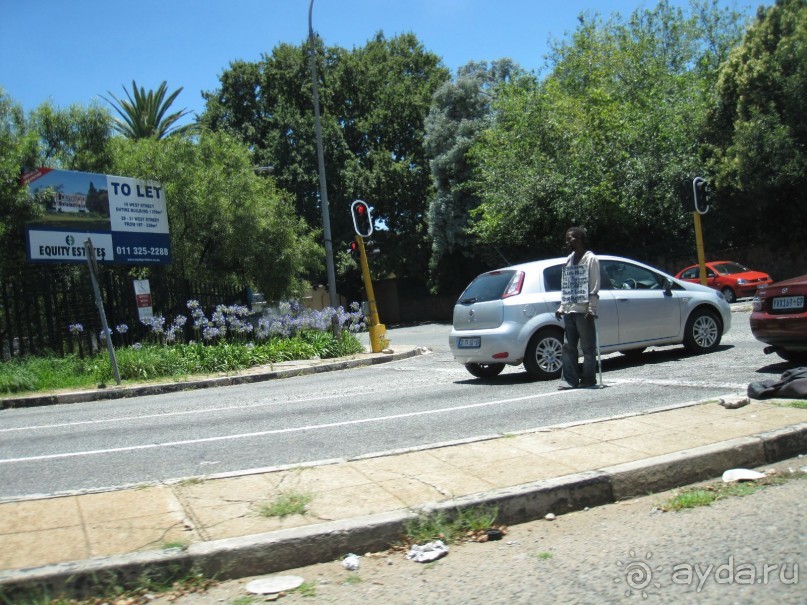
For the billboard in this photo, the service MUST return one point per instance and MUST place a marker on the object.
(125, 218)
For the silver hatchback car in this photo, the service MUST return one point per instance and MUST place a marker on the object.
(507, 316)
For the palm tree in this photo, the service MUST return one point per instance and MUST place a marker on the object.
(146, 115)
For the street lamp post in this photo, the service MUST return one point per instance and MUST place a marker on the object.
(323, 190)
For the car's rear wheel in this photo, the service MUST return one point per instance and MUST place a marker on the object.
(729, 295)
(485, 370)
(703, 331)
(543, 359)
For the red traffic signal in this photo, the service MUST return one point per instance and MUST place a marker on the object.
(362, 219)
(353, 248)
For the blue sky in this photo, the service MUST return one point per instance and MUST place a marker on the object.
(75, 51)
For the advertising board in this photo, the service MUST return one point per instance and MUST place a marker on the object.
(125, 218)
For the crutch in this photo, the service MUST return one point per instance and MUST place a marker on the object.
(597, 341)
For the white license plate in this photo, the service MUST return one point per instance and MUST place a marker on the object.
(469, 343)
(785, 303)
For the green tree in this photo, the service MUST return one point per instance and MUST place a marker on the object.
(18, 148)
(76, 138)
(461, 110)
(145, 114)
(373, 102)
(227, 223)
(605, 140)
(758, 135)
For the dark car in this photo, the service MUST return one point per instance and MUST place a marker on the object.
(732, 279)
(779, 318)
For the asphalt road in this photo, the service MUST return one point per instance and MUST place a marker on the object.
(741, 550)
(426, 400)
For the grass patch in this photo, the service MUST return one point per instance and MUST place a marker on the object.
(353, 578)
(544, 556)
(693, 497)
(798, 404)
(450, 528)
(147, 589)
(289, 503)
(154, 362)
(190, 481)
(307, 589)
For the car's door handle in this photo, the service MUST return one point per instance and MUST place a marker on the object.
(623, 299)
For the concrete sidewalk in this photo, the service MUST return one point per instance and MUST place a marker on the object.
(217, 525)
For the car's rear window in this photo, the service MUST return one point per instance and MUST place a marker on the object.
(488, 286)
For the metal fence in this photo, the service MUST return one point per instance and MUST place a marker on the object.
(39, 303)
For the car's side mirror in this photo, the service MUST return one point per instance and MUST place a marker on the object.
(667, 287)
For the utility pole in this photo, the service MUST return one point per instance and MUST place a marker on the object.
(323, 189)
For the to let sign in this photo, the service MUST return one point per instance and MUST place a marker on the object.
(126, 218)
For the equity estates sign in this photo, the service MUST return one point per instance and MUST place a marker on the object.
(125, 218)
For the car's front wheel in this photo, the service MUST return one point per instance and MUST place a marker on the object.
(543, 358)
(703, 331)
(485, 370)
(729, 295)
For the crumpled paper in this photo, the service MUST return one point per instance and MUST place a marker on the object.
(431, 551)
(351, 562)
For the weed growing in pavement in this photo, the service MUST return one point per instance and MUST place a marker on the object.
(148, 589)
(307, 589)
(544, 556)
(798, 404)
(353, 578)
(190, 481)
(289, 503)
(692, 497)
(454, 528)
(245, 600)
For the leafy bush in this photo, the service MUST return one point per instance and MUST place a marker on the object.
(224, 344)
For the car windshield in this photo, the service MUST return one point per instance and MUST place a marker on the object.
(730, 268)
(488, 286)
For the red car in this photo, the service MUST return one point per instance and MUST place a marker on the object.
(732, 279)
(779, 318)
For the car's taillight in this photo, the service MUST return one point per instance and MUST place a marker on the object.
(757, 303)
(515, 284)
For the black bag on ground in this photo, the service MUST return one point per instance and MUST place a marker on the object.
(792, 385)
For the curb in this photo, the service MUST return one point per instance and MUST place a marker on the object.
(297, 547)
(300, 368)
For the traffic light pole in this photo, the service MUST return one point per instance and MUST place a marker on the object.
(699, 244)
(378, 331)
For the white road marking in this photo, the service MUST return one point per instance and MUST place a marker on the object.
(312, 427)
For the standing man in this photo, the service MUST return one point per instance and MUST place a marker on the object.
(580, 287)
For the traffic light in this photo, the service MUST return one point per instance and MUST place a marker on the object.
(362, 219)
(353, 248)
(700, 195)
(686, 196)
